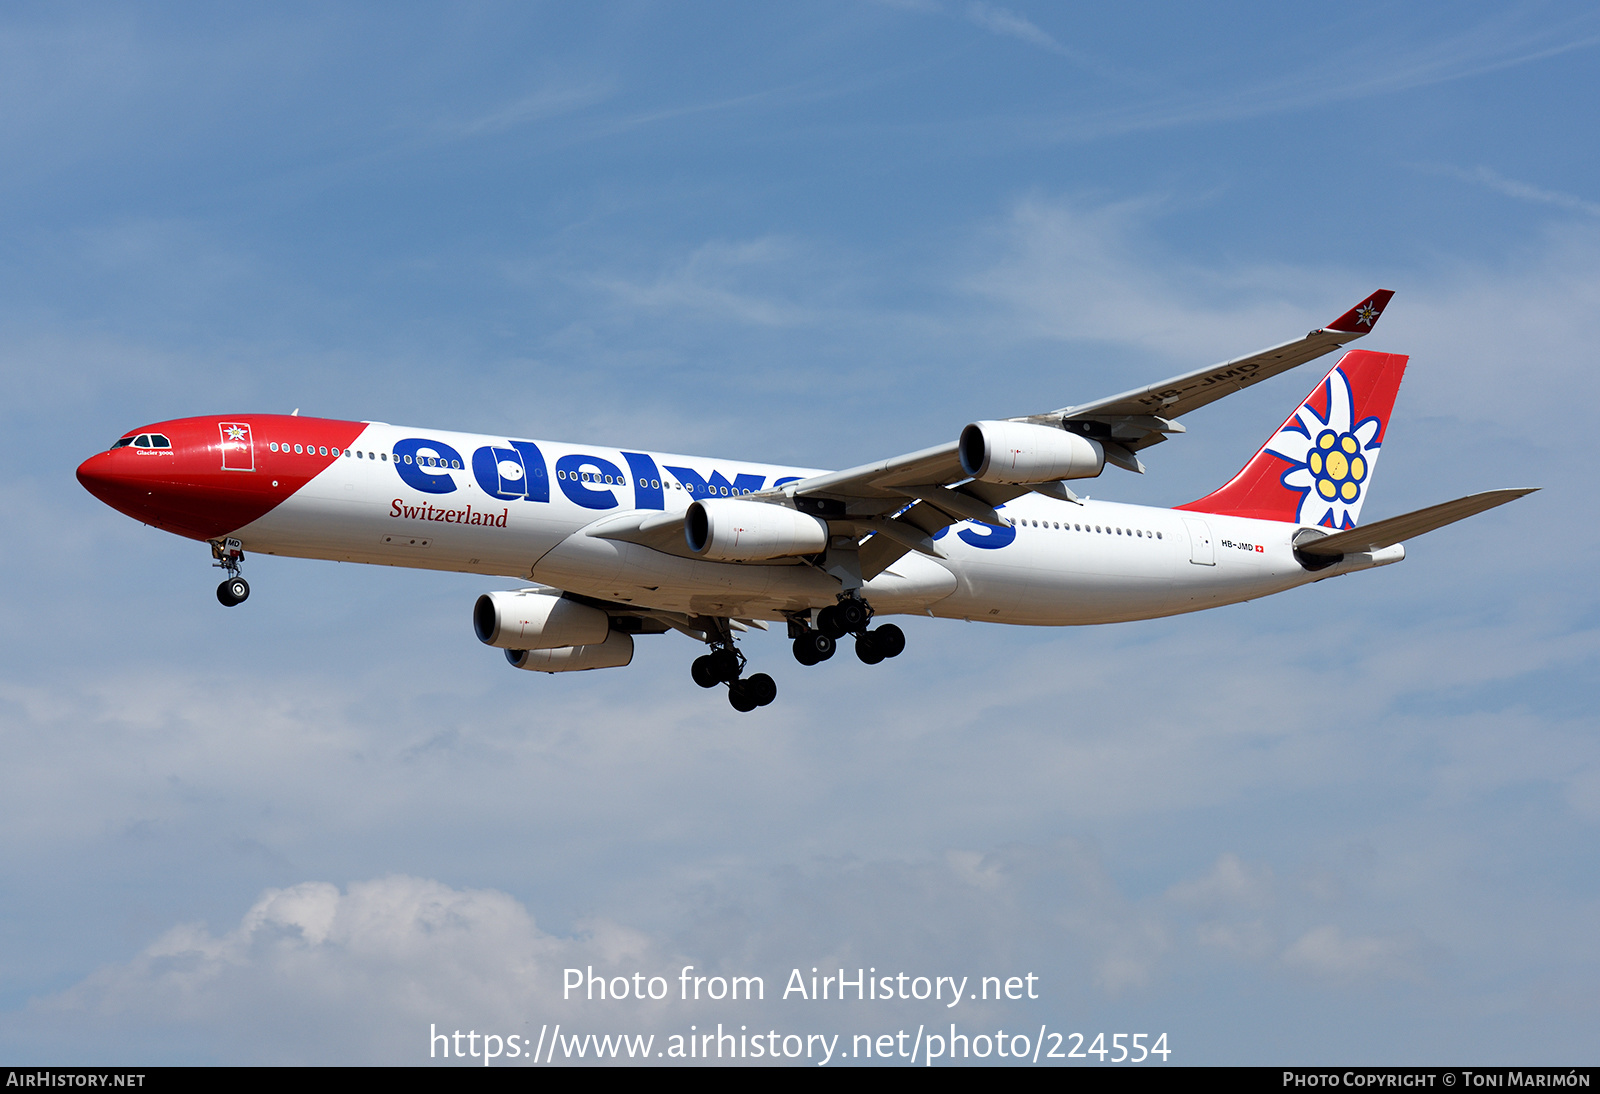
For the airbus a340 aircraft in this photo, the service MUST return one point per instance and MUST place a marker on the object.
(622, 543)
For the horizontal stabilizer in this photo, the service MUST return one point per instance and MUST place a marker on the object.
(1386, 533)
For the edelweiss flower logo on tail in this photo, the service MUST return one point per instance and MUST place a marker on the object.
(1332, 459)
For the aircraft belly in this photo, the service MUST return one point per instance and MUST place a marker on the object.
(634, 574)
(911, 585)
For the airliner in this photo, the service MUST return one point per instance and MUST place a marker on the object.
(616, 543)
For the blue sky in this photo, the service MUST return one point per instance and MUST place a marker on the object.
(1355, 822)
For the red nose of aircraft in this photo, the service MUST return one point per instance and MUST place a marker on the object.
(117, 481)
(156, 475)
(206, 478)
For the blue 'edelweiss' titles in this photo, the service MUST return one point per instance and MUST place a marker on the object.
(519, 471)
(1332, 459)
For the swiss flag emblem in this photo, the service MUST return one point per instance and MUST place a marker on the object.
(238, 451)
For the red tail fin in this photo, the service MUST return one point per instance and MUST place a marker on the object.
(1316, 468)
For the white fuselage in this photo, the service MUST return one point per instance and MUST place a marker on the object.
(1058, 564)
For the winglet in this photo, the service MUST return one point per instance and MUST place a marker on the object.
(1364, 316)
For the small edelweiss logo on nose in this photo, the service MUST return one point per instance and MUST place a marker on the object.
(1337, 466)
(235, 433)
(1367, 314)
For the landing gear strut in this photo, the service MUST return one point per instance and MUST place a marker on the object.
(725, 665)
(229, 554)
(850, 615)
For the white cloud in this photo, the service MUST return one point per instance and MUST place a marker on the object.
(1230, 884)
(1506, 40)
(315, 974)
(1327, 951)
(715, 279)
(998, 20)
(1523, 191)
(1077, 271)
(546, 102)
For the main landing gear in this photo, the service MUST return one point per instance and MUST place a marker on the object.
(850, 615)
(725, 665)
(229, 554)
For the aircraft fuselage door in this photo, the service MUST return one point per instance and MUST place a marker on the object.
(238, 448)
(1201, 552)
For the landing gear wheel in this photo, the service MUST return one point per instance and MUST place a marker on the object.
(761, 687)
(813, 647)
(891, 640)
(235, 590)
(829, 623)
(852, 614)
(867, 648)
(704, 673)
(741, 698)
(725, 663)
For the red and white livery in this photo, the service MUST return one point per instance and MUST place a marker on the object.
(620, 543)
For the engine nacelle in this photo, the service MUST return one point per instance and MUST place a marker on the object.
(749, 531)
(615, 652)
(528, 619)
(1021, 452)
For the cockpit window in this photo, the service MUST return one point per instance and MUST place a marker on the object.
(144, 440)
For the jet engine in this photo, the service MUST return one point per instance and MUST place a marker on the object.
(1020, 452)
(615, 652)
(751, 531)
(530, 619)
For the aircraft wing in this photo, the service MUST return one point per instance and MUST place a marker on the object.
(921, 492)
(1386, 533)
(1143, 416)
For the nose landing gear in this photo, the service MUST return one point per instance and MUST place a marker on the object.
(229, 554)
